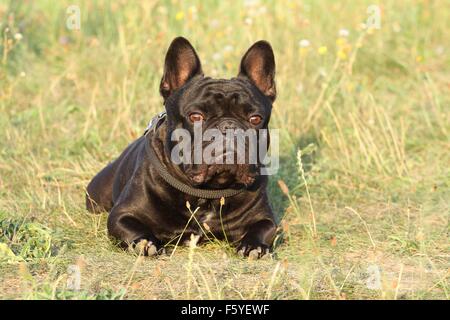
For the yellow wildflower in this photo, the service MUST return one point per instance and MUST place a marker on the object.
(179, 16)
(322, 50)
(340, 42)
(342, 55)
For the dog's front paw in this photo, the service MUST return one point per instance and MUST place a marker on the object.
(145, 247)
(253, 251)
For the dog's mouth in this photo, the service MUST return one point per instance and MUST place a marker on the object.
(220, 176)
(223, 166)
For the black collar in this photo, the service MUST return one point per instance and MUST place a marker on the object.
(174, 182)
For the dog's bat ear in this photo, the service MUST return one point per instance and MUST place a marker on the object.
(181, 64)
(258, 65)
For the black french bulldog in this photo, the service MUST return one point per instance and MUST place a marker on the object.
(146, 193)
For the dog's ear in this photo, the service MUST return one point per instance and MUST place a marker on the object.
(181, 64)
(258, 64)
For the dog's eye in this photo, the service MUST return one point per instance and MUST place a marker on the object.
(255, 120)
(195, 116)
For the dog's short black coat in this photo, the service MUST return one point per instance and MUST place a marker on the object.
(143, 206)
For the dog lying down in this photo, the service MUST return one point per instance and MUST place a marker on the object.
(146, 189)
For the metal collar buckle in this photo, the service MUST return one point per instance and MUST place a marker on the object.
(155, 122)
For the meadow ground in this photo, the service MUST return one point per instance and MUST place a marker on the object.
(362, 194)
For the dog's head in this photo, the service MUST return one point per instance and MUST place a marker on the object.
(217, 107)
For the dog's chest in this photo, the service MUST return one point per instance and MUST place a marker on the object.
(208, 221)
(211, 221)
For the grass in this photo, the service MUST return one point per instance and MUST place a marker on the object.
(364, 181)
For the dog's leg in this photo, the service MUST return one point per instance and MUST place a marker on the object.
(128, 220)
(132, 233)
(258, 240)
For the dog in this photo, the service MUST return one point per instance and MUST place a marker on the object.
(147, 194)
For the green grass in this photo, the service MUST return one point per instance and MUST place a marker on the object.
(369, 189)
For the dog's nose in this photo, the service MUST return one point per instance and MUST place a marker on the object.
(228, 124)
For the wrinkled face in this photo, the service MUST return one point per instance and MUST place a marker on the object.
(217, 108)
(223, 118)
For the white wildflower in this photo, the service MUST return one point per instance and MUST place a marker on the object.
(251, 3)
(18, 36)
(344, 33)
(228, 48)
(214, 23)
(248, 21)
(304, 43)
